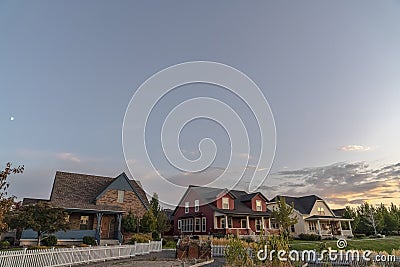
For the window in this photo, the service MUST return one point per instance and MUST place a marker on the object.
(197, 222)
(84, 222)
(222, 223)
(243, 223)
(258, 225)
(186, 207)
(196, 205)
(230, 222)
(321, 211)
(179, 224)
(204, 224)
(274, 225)
(225, 203)
(292, 228)
(186, 225)
(120, 198)
(258, 205)
(312, 226)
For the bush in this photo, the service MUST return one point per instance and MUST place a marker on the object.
(140, 238)
(49, 241)
(4, 244)
(10, 239)
(37, 247)
(310, 237)
(89, 240)
(170, 244)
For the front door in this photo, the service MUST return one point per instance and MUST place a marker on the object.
(107, 227)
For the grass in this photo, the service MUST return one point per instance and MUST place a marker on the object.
(375, 244)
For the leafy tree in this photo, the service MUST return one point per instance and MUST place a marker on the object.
(148, 223)
(6, 202)
(283, 215)
(129, 222)
(162, 223)
(42, 218)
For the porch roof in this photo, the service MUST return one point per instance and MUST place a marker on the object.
(326, 218)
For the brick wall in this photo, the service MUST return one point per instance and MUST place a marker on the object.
(131, 202)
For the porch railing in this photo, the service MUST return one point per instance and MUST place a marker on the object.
(75, 255)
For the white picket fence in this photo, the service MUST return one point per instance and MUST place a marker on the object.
(75, 255)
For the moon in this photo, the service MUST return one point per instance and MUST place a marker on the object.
(11, 118)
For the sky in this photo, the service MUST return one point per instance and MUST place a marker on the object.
(329, 70)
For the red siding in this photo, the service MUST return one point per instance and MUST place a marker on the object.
(231, 201)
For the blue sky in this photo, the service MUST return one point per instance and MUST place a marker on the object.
(330, 72)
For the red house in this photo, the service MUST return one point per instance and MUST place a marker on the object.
(206, 210)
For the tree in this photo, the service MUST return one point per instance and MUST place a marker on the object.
(283, 215)
(162, 222)
(6, 202)
(42, 218)
(129, 222)
(148, 223)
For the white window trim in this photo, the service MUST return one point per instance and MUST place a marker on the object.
(222, 221)
(120, 197)
(227, 203)
(186, 207)
(204, 224)
(258, 206)
(179, 224)
(197, 223)
(241, 223)
(196, 205)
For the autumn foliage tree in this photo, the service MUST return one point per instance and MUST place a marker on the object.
(6, 202)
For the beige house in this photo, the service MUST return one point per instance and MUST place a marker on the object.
(314, 217)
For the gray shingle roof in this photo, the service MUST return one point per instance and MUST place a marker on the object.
(79, 191)
(303, 205)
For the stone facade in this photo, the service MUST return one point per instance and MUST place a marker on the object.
(131, 202)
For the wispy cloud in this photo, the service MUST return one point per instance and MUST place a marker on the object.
(68, 157)
(342, 183)
(354, 148)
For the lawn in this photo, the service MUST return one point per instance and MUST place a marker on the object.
(376, 244)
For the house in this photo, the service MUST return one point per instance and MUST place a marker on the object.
(95, 205)
(314, 217)
(206, 210)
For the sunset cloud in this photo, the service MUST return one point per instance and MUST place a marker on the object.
(354, 148)
(342, 183)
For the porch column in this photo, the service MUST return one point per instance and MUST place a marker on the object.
(262, 223)
(319, 227)
(247, 222)
(99, 216)
(215, 222)
(351, 231)
(119, 220)
(226, 222)
(340, 228)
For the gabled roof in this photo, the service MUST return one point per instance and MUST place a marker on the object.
(249, 197)
(303, 205)
(210, 194)
(338, 212)
(79, 191)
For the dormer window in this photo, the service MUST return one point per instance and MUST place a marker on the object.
(321, 211)
(258, 205)
(120, 198)
(225, 203)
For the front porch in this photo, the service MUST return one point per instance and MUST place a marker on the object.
(104, 226)
(329, 227)
(241, 225)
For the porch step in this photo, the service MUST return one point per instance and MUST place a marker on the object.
(109, 242)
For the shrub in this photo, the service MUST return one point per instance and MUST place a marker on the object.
(49, 241)
(140, 238)
(170, 244)
(310, 237)
(89, 240)
(10, 239)
(37, 247)
(4, 244)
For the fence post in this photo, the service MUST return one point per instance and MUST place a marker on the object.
(51, 256)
